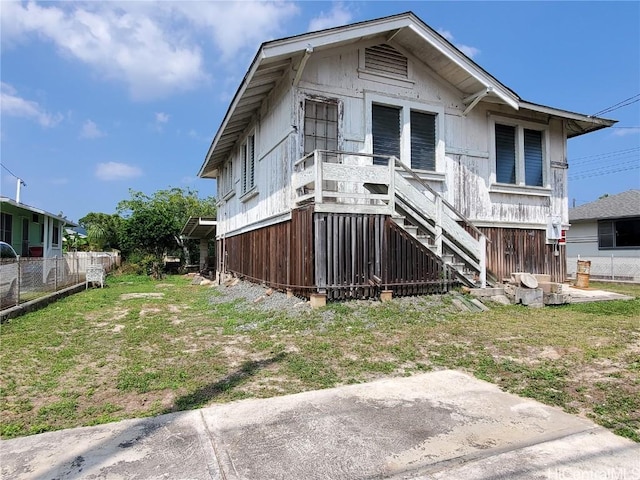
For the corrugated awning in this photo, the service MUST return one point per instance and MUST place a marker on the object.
(199, 228)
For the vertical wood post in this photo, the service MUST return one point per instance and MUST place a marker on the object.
(483, 261)
(320, 247)
(391, 185)
(317, 164)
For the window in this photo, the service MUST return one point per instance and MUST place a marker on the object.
(423, 140)
(623, 233)
(6, 227)
(505, 154)
(320, 126)
(226, 180)
(248, 164)
(519, 155)
(386, 129)
(55, 238)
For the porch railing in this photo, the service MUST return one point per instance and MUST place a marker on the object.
(367, 183)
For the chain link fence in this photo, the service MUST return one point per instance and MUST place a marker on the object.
(607, 267)
(37, 277)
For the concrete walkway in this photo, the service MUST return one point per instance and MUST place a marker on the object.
(441, 425)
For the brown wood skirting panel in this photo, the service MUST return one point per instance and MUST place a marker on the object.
(357, 255)
(523, 250)
(280, 255)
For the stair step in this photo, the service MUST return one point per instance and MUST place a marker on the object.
(411, 230)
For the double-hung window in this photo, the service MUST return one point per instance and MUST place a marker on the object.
(519, 155)
(395, 126)
(248, 153)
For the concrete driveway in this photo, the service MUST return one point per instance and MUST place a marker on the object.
(441, 425)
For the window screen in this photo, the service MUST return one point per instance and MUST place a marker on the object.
(423, 141)
(386, 132)
(533, 157)
(505, 154)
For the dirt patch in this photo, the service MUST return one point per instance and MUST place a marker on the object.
(129, 296)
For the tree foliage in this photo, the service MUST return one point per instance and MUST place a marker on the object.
(147, 225)
(103, 230)
(152, 224)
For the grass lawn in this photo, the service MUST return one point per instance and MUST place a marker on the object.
(140, 347)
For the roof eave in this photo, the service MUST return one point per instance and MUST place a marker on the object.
(590, 123)
(37, 210)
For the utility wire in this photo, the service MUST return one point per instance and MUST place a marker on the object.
(623, 103)
(13, 174)
(605, 154)
(582, 177)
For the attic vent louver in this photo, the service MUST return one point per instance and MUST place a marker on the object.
(385, 59)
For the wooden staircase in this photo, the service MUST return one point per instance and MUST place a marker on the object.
(375, 184)
(435, 223)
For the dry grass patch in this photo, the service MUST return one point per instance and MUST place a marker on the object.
(129, 350)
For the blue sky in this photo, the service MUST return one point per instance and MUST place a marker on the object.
(101, 97)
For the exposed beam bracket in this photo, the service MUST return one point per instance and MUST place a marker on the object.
(303, 61)
(392, 35)
(472, 100)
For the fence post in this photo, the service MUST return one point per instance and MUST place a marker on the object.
(19, 281)
(612, 274)
(55, 282)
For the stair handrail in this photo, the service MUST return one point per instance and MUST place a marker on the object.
(416, 177)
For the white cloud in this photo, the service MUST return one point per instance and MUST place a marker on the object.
(116, 171)
(153, 47)
(624, 131)
(466, 49)
(90, 130)
(128, 46)
(13, 105)
(338, 16)
(236, 25)
(162, 117)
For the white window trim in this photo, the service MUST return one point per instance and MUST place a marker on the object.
(520, 185)
(246, 188)
(406, 105)
(226, 183)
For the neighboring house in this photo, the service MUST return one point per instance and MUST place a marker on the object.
(32, 232)
(377, 156)
(607, 233)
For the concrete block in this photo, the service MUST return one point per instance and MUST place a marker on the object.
(386, 295)
(289, 293)
(529, 296)
(510, 290)
(556, 298)
(550, 287)
(318, 300)
(542, 277)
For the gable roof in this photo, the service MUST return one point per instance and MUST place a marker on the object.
(31, 209)
(278, 58)
(625, 204)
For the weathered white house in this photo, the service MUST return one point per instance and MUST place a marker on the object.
(377, 156)
(606, 232)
